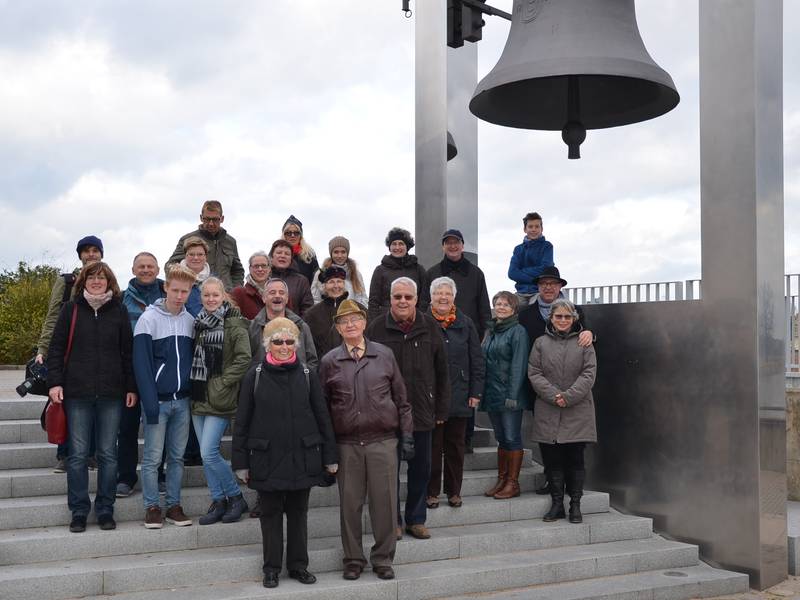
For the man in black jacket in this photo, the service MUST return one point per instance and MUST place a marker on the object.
(414, 338)
(472, 298)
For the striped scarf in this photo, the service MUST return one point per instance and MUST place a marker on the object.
(209, 335)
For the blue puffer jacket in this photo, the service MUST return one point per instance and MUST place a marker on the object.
(139, 296)
(162, 357)
(527, 262)
(506, 351)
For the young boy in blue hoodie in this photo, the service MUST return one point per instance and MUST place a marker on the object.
(162, 361)
(529, 258)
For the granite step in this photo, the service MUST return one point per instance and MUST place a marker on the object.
(14, 407)
(47, 511)
(431, 572)
(698, 581)
(17, 430)
(41, 481)
(46, 544)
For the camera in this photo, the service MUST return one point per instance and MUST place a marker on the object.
(35, 380)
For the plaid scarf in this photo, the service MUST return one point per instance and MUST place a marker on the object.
(209, 334)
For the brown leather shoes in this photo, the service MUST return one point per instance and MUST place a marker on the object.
(419, 531)
(384, 572)
(352, 572)
(398, 531)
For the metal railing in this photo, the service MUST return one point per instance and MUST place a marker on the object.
(690, 289)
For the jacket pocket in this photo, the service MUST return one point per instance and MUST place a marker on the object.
(161, 368)
(312, 451)
(257, 444)
(259, 458)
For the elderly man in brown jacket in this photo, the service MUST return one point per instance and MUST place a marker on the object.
(417, 344)
(367, 400)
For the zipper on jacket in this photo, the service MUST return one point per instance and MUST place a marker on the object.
(178, 362)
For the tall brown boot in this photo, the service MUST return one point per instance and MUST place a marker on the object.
(511, 487)
(502, 473)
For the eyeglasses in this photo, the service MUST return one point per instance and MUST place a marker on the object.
(196, 255)
(291, 233)
(563, 317)
(549, 284)
(259, 267)
(280, 342)
(350, 321)
(407, 297)
(211, 219)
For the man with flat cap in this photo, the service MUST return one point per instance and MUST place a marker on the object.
(366, 396)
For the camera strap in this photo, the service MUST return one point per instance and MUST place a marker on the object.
(71, 332)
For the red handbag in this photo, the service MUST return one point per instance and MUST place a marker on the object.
(55, 419)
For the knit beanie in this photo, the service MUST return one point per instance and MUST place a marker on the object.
(339, 242)
(398, 233)
(292, 220)
(90, 240)
(332, 272)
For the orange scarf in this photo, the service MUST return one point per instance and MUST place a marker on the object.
(446, 320)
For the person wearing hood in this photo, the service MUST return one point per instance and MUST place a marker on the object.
(143, 290)
(505, 396)
(162, 361)
(562, 373)
(398, 263)
(339, 248)
(320, 316)
(249, 296)
(221, 358)
(89, 370)
(283, 267)
(223, 254)
(529, 258)
(304, 257)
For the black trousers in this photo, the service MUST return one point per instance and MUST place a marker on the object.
(128, 445)
(563, 457)
(273, 506)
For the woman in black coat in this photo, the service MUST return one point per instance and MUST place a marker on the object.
(92, 374)
(283, 443)
(467, 370)
(398, 263)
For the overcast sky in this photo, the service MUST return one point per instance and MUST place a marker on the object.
(119, 118)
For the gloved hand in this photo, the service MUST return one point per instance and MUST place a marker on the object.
(407, 447)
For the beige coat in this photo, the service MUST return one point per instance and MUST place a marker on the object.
(559, 365)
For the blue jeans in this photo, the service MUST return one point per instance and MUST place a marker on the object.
(171, 432)
(85, 416)
(507, 425)
(219, 476)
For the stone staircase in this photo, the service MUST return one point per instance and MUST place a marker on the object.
(491, 548)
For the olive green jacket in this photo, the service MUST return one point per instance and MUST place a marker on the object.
(222, 391)
(53, 308)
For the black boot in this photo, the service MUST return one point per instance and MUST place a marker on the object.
(556, 481)
(215, 512)
(545, 489)
(575, 481)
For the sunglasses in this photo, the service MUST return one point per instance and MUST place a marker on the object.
(282, 342)
(291, 233)
(563, 317)
(403, 297)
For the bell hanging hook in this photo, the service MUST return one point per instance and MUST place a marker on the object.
(406, 9)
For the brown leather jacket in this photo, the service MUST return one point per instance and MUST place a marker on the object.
(367, 400)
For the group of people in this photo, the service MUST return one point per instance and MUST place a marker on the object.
(318, 379)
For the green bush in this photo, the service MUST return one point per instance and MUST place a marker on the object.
(24, 296)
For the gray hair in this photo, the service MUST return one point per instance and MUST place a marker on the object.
(259, 253)
(275, 280)
(442, 281)
(566, 304)
(404, 280)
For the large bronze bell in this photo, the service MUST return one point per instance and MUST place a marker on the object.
(573, 65)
